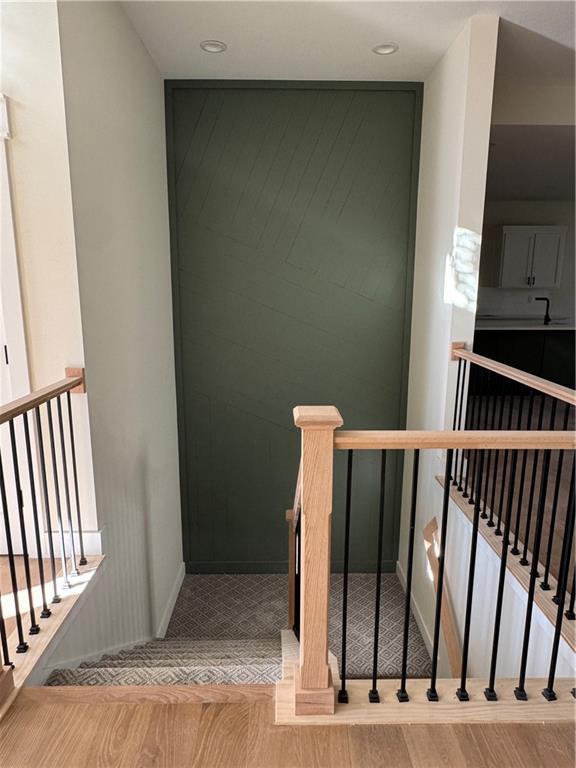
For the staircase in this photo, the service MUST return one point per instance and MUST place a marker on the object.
(181, 662)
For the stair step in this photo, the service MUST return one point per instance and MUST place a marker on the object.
(180, 662)
(238, 674)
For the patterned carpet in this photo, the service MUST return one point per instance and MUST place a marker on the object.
(226, 629)
(255, 606)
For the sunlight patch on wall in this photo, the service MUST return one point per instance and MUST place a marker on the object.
(461, 271)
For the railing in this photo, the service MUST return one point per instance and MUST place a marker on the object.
(313, 681)
(38, 482)
(501, 397)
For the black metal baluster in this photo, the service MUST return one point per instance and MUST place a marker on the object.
(472, 398)
(484, 514)
(498, 529)
(66, 582)
(460, 423)
(462, 693)
(82, 560)
(490, 692)
(524, 559)
(74, 570)
(566, 556)
(483, 374)
(545, 584)
(519, 691)
(515, 550)
(402, 693)
(432, 693)
(491, 522)
(455, 420)
(4, 639)
(22, 646)
(34, 628)
(296, 627)
(570, 612)
(343, 693)
(45, 610)
(56, 597)
(373, 695)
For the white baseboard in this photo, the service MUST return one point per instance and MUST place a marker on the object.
(92, 542)
(424, 631)
(167, 614)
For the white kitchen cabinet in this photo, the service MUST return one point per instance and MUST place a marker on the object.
(532, 257)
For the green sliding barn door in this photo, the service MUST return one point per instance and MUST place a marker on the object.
(292, 210)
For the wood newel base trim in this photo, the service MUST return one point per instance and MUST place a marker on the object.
(291, 567)
(314, 701)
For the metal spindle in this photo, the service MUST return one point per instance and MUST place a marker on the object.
(545, 585)
(520, 691)
(524, 559)
(570, 612)
(296, 627)
(402, 693)
(566, 556)
(472, 398)
(74, 570)
(462, 693)
(515, 550)
(490, 692)
(343, 693)
(66, 582)
(432, 693)
(82, 560)
(45, 610)
(477, 426)
(22, 646)
(373, 695)
(4, 639)
(491, 522)
(55, 597)
(484, 514)
(34, 628)
(460, 423)
(455, 420)
(498, 529)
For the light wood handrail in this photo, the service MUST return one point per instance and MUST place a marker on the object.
(34, 399)
(471, 439)
(535, 382)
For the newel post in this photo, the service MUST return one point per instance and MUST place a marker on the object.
(313, 688)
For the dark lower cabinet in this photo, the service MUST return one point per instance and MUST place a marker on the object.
(549, 354)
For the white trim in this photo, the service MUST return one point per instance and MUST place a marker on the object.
(171, 602)
(426, 636)
(92, 542)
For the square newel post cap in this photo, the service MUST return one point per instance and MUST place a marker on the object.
(317, 417)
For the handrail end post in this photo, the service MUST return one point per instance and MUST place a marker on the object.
(454, 346)
(77, 373)
(314, 701)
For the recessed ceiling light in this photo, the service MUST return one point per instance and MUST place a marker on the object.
(385, 49)
(213, 46)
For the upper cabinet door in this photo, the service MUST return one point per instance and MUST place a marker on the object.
(547, 258)
(516, 258)
(532, 256)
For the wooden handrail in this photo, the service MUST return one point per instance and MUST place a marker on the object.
(472, 440)
(535, 382)
(34, 399)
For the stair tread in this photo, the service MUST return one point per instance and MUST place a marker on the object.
(235, 674)
(175, 662)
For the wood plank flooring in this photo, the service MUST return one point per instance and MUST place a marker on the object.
(242, 735)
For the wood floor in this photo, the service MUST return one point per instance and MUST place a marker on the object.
(66, 734)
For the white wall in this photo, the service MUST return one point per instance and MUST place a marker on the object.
(114, 101)
(31, 78)
(454, 154)
(521, 102)
(498, 213)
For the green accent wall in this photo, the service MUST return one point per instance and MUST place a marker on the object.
(292, 223)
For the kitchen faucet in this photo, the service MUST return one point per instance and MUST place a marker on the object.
(547, 314)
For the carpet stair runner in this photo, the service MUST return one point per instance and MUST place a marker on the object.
(181, 662)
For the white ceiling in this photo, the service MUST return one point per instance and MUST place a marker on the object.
(333, 40)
